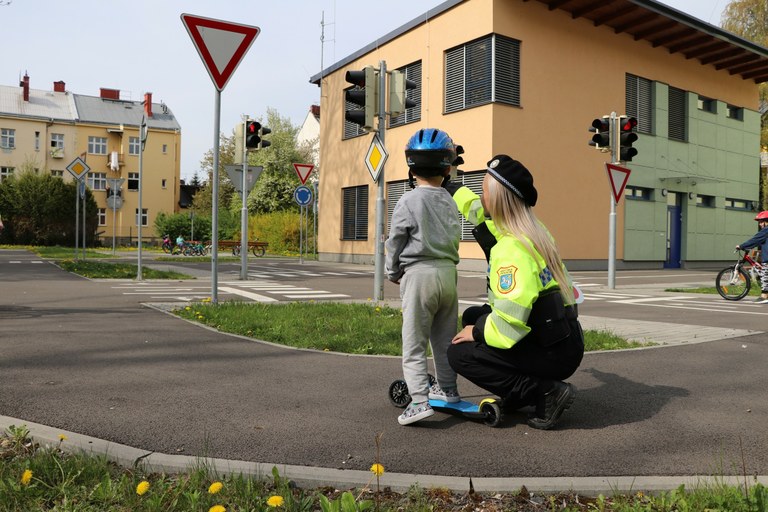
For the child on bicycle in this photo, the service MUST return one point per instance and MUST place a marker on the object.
(760, 239)
(422, 253)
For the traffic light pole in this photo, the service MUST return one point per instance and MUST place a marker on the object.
(378, 281)
(614, 137)
(244, 212)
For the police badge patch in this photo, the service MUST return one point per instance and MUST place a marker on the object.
(506, 282)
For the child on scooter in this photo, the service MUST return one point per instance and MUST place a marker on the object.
(422, 253)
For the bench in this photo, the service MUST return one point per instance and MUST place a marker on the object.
(257, 248)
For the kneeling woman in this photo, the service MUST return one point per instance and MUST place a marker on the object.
(527, 340)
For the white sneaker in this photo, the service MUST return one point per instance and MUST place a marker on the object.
(446, 395)
(415, 412)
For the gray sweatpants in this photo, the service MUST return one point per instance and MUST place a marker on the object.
(430, 314)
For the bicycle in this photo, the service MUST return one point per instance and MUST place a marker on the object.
(735, 282)
(167, 244)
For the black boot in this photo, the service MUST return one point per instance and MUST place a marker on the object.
(551, 404)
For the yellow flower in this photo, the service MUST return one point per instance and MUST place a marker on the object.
(275, 501)
(142, 487)
(217, 508)
(377, 469)
(215, 487)
(26, 477)
(187, 308)
(62, 437)
(378, 309)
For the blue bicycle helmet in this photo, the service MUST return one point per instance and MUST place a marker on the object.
(430, 152)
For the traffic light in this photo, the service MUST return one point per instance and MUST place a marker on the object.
(601, 128)
(254, 135)
(627, 136)
(364, 97)
(398, 89)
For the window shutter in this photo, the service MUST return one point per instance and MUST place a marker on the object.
(639, 102)
(507, 71)
(677, 114)
(454, 80)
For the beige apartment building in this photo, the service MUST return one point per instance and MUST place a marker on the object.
(45, 130)
(526, 78)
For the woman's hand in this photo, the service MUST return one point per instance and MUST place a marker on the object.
(463, 335)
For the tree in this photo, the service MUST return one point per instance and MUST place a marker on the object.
(40, 210)
(749, 19)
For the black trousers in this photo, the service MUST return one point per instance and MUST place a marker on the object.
(519, 374)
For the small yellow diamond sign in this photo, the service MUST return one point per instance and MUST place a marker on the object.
(376, 157)
(78, 168)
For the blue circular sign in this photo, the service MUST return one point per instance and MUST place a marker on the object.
(303, 195)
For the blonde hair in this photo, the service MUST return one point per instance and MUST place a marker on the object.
(513, 217)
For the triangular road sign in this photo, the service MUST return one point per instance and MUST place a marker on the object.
(303, 171)
(221, 45)
(618, 176)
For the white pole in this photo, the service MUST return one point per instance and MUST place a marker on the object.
(142, 139)
(244, 211)
(613, 131)
(215, 201)
(77, 218)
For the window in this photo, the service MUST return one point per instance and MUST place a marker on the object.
(413, 73)
(96, 180)
(57, 141)
(37, 141)
(472, 180)
(133, 146)
(707, 104)
(481, 72)
(738, 204)
(162, 183)
(677, 114)
(640, 102)
(102, 216)
(57, 174)
(133, 181)
(705, 201)
(6, 172)
(7, 138)
(97, 145)
(354, 213)
(638, 193)
(144, 216)
(734, 112)
(165, 148)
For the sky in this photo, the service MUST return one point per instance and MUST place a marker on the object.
(140, 46)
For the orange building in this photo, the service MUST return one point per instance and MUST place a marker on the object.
(527, 78)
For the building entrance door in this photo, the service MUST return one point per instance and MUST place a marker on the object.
(674, 230)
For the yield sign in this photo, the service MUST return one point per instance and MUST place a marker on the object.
(303, 170)
(618, 177)
(221, 45)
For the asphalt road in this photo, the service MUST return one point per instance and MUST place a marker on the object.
(84, 356)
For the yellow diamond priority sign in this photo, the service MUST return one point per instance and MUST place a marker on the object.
(376, 158)
(78, 168)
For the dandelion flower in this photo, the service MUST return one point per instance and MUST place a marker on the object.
(215, 487)
(62, 437)
(26, 477)
(142, 487)
(275, 501)
(377, 469)
(187, 308)
(217, 508)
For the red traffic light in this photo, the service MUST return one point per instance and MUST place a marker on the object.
(627, 124)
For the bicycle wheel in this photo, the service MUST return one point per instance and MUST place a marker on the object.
(733, 283)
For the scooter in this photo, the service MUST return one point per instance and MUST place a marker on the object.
(487, 411)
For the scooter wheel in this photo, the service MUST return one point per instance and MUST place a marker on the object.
(398, 393)
(492, 412)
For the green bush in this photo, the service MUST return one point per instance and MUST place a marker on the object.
(279, 229)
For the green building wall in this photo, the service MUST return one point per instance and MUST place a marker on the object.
(720, 161)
